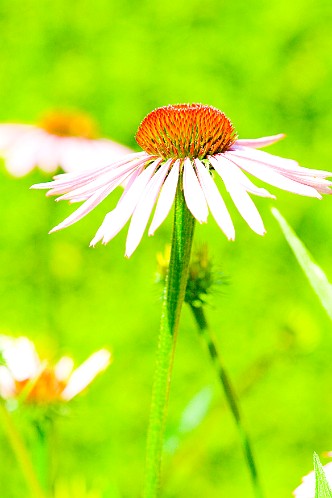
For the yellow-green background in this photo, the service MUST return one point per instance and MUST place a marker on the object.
(267, 65)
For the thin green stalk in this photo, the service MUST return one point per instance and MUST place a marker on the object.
(21, 453)
(204, 330)
(173, 298)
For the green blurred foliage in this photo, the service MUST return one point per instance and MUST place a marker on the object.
(268, 66)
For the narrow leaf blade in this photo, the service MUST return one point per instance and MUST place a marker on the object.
(313, 272)
(322, 489)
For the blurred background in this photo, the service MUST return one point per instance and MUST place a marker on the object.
(268, 67)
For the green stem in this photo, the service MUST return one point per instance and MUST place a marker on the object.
(230, 395)
(173, 298)
(21, 453)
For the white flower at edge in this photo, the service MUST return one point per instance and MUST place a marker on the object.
(49, 383)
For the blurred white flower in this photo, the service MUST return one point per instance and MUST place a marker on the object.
(24, 373)
(307, 488)
(61, 140)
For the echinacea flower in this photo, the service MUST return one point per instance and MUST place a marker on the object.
(184, 145)
(62, 139)
(307, 488)
(40, 382)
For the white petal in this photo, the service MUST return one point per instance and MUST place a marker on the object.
(256, 143)
(144, 207)
(85, 373)
(7, 383)
(21, 357)
(237, 173)
(241, 199)
(166, 197)
(63, 368)
(215, 201)
(116, 219)
(269, 175)
(193, 193)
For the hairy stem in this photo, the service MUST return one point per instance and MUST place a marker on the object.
(173, 298)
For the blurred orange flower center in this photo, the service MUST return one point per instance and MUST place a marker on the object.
(185, 130)
(65, 124)
(43, 389)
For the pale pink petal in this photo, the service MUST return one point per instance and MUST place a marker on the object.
(117, 175)
(281, 164)
(166, 197)
(63, 368)
(83, 210)
(9, 134)
(193, 193)
(116, 219)
(48, 153)
(23, 157)
(256, 143)
(215, 201)
(269, 175)
(240, 177)
(241, 199)
(320, 184)
(85, 373)
(68, 182)
(144, 207)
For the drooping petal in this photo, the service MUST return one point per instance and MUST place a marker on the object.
(166, 197)
(280, 164)
(215, 201)
(144, 207)
(193, 193)
(85, 209)
(320, 184)
(85, 373)
(241, 178)
(115, 220)
(257, 143)
(241, 199)
(69, 182)
(269, 175)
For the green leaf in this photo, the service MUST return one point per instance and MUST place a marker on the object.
(313, 272)
(323, 489)
(192, 416)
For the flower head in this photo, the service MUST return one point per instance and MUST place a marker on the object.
(61, 139)
(186, 145)
(23, 373)
(307, 488)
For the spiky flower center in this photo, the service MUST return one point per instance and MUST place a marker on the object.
(65, 124)
(185, 130)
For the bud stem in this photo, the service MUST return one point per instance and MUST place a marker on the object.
(206, 333)
(173, 297)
